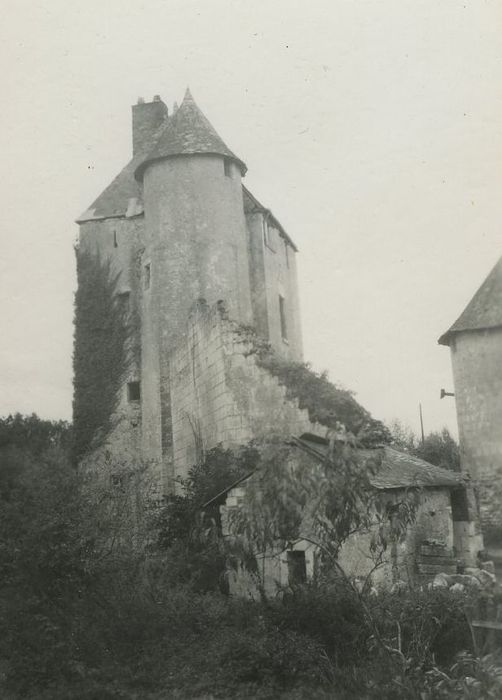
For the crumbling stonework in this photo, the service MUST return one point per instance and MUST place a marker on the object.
(221, 395)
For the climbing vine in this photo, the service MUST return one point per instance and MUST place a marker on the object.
(101, 355)
(325, 402)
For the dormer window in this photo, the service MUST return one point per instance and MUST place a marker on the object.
(227, 169)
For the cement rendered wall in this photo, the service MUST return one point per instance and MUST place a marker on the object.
(220, 394)
(477, 371)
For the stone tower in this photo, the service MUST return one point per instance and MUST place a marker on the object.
(475, 342)
(195, 252)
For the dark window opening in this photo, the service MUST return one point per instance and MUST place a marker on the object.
(286, 249)
(459, 505)
(133, 391)
(125, 301)
(227, 167)
(266, 234)
(148, 276)
(282, 314)
(297, 568)
(115, 240)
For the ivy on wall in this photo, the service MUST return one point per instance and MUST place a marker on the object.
(101, 355)
(325, 402)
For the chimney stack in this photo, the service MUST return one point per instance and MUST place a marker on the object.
(146, 119)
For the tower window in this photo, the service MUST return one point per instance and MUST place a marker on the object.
(286, 252)
(265, 233)
(133, 391)
(115, 240)
(125, 301)
(282, 314)
(148, 276)
(297, 568)
(226, 167)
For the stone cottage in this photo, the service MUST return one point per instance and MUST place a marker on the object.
(432, 545)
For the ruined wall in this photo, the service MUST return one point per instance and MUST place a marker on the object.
(273, 273)
(477, 372)
(219, 394)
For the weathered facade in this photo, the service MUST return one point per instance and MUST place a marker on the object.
(433, 543)
(208, 275)
(475, 342)
(186, 236)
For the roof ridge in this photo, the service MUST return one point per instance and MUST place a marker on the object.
(484, 310)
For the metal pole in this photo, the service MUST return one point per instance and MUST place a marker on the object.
(421, 422)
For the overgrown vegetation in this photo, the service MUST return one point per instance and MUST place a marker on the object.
(101, 353)
(325, 402)
(84, 619)
(439, 448)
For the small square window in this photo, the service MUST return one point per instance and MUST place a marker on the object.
(147, 276)
(133, 391)
(227, 167)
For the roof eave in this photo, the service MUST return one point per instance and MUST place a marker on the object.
(140, 170)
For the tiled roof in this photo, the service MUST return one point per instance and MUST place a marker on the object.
(398, 469)
(116, 199)
(187, 132)
(484, 310)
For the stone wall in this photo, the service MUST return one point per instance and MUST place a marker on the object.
(219, 394)
(273, 273)
(477, 371)
(433, 524)
(118, 240)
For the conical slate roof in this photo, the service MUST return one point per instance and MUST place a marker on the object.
(484, 310)
(187, 132)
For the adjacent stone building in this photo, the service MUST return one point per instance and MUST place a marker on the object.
(475, 342)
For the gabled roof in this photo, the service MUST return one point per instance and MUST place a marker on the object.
(117, 198)
(484, 310)
(251, 204)
(187, 132)
(398, 470)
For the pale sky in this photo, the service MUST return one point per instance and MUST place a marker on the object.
(371, 128)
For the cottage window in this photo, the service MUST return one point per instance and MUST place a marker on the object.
(133, 391)
(282, 314)
(297, 568)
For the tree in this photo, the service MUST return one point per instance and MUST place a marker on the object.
(288, 500)
(438, 448)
